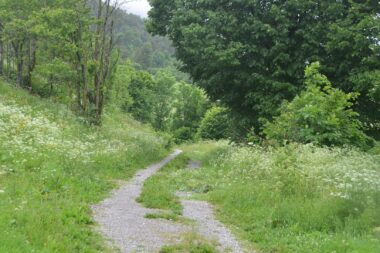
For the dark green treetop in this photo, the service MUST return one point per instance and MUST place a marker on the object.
(251, 54)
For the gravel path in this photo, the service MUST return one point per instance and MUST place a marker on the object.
(122, 221)
(208, 227)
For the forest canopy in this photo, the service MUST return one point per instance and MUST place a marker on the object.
(251, 54)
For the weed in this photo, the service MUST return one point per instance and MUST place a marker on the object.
(53, 166)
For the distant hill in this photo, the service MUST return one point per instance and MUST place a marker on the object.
(135, 43)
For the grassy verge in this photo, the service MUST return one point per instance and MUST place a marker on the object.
(192, 243)
(53, 167)
(291, 199)
(159, 190)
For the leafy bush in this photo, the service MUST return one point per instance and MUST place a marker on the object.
(189, 107)
(183, 134)
(215, 124)
(321, 115)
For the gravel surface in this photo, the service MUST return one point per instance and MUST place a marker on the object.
(121, 220)
(208, 227)
(193, 165)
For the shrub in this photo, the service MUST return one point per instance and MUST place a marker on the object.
(321, 115)
(183, 134)
(215, 124)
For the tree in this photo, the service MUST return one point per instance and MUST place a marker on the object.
(119, 95)
(2, 50)
(163, 100)
(70, 34)
(15, 23)
(144, 55)
(141, 92)
(190, 105)
(251, 54)
(321, 115)
(215, 124)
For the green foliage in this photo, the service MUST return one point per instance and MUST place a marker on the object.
(135, 43)
(163, 100)
(251, 54)
(191, 243)
(189, 248)
(159, 100)
(54, 79)
(141, 91)
(53, 167)
(320, 115)
(215, 124)
(298, 198)
(119, 95)
(159, 193)
(183, 134)
(190, 103)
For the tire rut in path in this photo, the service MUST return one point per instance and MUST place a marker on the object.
(122, 220)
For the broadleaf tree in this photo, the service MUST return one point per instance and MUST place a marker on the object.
(251, 54)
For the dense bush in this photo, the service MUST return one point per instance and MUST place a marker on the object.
(214, 125)
(321, 115)
(183, 134)
(190, 105)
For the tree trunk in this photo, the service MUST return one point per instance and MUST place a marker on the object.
(98, 47)
(78, 90)
(83, 72)
(8, 62)
(20, 63)
(2, 57)
(103, 48)
(81, 65)
(2, 52)
(32, 48)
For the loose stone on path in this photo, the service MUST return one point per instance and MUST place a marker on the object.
(122, 220)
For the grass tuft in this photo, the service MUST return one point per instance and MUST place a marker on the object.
(158, 191)
(191, 243)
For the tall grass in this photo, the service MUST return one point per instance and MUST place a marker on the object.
(53, 167)
(298, 198)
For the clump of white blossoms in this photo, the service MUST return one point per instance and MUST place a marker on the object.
(24, 131)
(339, 172)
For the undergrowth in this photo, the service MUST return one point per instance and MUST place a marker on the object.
(191, 243)
(53, 166)
(298, 198)
(159, 190)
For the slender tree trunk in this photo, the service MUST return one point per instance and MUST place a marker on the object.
(82, 85)
(83, 68)
(20, 70)
(97, 58)
(8, 63)
(32, 48)
(78, 90)
(105, 48)
(2, 52)
(20, 63)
